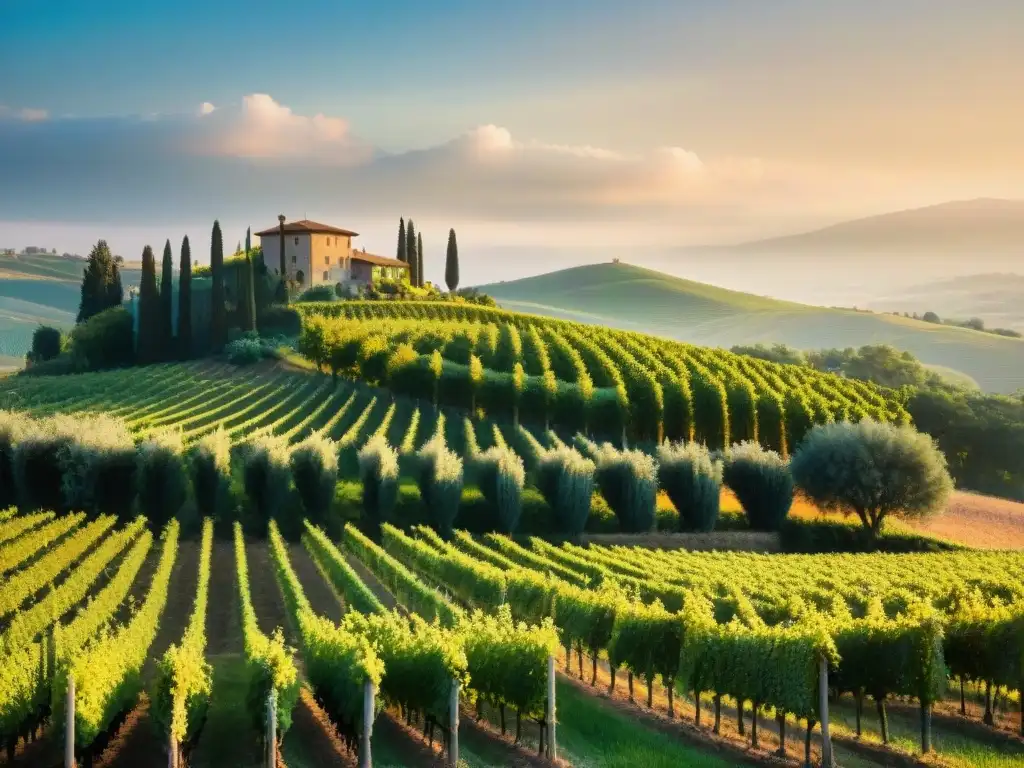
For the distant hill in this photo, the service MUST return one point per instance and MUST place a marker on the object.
(961, 226)
(626, 296)
(997, 298)
(40, 289)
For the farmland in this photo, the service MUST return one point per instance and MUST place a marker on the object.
(202, 548)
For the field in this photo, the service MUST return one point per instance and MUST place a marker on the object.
(634, 298)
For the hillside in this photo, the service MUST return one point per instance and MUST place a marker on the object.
(40, 289)
(634, 298)
(996, 298)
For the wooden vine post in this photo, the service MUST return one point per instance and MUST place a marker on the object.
(369, 702)
(69, 724)
(453, 725)
(272, 729)
(826, 740)
(172, 752)
(552, 752)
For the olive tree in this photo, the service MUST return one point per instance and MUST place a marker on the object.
(872, 470)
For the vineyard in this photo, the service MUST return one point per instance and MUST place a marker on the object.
(378, 565)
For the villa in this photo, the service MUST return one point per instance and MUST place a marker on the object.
(321, 254)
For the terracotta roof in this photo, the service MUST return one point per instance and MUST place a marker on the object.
(380, 261)
(305, 225)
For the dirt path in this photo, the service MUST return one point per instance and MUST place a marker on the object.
(266, 596)
(372, 583)
(321, 595)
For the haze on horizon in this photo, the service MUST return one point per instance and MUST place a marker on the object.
(545, 134)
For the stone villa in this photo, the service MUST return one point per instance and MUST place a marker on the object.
(320, 254)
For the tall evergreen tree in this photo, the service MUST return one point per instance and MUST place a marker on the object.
(185, 301)
(167, 301)
(410, 252)
(402, 254)
(218, 313)
(101, 282)
(451, 263)
(419, 259)
(248, 298)
(150, 344)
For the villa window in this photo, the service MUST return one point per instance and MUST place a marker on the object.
(296, 241)
(327, 275)
(293, 258)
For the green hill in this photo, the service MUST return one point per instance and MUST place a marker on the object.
(40, 289)
(630, 297)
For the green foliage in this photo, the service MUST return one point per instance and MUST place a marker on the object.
(500, 476)
(167, 303)
(161, 476)
(762, 482)
(12, 427)
(439, 477)
(378, 470)
(451, 263)
(38, 462)
(566, 479)
(105, 340)
(218, 312)
(318, 293)
(314, 464)
(266, 475)
(185, 300)
(777, 353)
(209, 467)
(98, 466)
(628, 480)
(872, 470)
(151, 332)
(692, 480)
(47, 343)
(101, 282)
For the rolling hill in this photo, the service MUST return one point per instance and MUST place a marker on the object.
(635, 298)
(39, 289)
(998, 299)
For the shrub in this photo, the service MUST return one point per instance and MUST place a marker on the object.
(692, 480)
(314, 464)
(628, 480)
(98, 467)
(38, 471)
(378, 469)
(209, 466)
(162, 477)
(318, 293)
(266, 475)
(500, 476)
(566, 480)
(872, 470)
(106, 340)
(280, 320)
(244, 351)
(12, 427)
(762, 483)
(439, 476)
(46, 344)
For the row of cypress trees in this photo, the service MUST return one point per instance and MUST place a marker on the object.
(157, 337)
(410, 250)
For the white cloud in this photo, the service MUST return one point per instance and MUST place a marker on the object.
(206, 108)
(264, 129)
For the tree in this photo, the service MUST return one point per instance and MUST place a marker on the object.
(419, 259)
(167, 302)
(185, 301)
(248, 298)
(872, 470)
(931, 317)
(885, 365)
(410, 252)
(101, 282)
(218, 318)
(402, 254)
(451, 263)
(150, 326)
(46, 344)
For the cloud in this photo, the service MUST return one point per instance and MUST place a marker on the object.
(25, 114)
(257, 158)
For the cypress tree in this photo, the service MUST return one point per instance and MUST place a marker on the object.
(185, 301)
(150, 325)
(218, 319)
(410, 252)
(249, 298)
(419, 259)
(402, 254)
(451, 263)
(167, 301)
(101, 282)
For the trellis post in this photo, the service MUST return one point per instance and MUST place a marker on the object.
(69, 724)
(453, 725)
(552, 752)
(826, 740)
(272, 729)
(369, 702)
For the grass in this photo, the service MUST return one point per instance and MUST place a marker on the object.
(634, 298)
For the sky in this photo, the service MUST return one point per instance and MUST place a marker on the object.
(534, 128)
